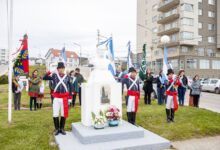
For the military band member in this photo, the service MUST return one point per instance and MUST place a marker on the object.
(133, 94)
(171, 93)
(61, 93)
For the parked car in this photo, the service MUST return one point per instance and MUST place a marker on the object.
(211, 85)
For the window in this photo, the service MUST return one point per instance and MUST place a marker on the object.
(211, 39)
(211, 27)
(201, 51)
(186, 35)
(210, 52)
(154, 7)
(154, 18)
(200, 25)
(200, 12)
(173, 37)
(174, 63)
(211, 14)
(146, 22)
(172, 50)
(184, 49)
(154, 41)
(216, 64)
(211, 2)
(187, 21)
(200, 38)
(191, 63)
(154, 30)
(204, 64)
(187, 7)
(213, 81)
(146, 11)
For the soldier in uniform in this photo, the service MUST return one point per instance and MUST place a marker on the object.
(133, 94)
(171, 93)
(62, 92)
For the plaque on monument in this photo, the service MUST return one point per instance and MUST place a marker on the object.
(105, 94)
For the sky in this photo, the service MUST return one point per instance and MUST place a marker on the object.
(55, 23)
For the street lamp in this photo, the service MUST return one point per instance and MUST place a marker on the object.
(165, 39)
(80, 50)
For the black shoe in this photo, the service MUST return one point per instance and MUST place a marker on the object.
(168, 115)
(56, 125)
(172, 115)
(62, 125)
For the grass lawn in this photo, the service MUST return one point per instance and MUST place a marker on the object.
(34, 130)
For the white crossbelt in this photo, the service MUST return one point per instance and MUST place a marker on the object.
(61, 82)
(133, 83)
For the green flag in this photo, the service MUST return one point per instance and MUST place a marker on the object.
(142, 72)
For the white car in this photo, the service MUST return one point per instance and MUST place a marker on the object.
(211, 85)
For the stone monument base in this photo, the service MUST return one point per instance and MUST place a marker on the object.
(124, 137)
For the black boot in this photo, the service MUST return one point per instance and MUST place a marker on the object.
(168, 115)
(56, 125)
(129, 117)
(172, 115)
(62, 124)
(40, 105)
(133, 118)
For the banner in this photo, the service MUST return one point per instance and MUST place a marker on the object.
(143, 68)
(21, 64)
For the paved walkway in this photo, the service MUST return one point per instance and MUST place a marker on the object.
(208, 143)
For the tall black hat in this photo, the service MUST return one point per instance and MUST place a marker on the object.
(60, 65)
(170, 71)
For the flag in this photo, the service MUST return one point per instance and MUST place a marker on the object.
(129, 55)
(142, 72)
(111, 56)
(165, 62)
(21, 64)
(63, 55)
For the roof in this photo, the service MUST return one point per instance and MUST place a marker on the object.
(69, 54)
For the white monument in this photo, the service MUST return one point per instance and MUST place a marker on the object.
(100, 91)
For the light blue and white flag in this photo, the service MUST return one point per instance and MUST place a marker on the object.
(63, 55)
(110, 54)
(129, 55)
(165, 62)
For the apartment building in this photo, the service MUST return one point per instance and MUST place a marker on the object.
(3, 56)
(193, 28)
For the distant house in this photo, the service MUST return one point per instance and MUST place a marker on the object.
(36, 61)
(54, 55)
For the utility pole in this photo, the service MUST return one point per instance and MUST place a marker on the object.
(10, 69)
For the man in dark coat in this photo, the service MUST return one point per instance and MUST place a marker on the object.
(148, 87)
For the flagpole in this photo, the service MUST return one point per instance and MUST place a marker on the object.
(10, 31)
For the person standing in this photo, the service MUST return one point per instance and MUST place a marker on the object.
(133, 94)
(62, 92)
(41, 95)
(161, 79)
(196, 90)
(171, 93)
(75, 87)
(17, 87)
(148, 87)
(34, 88)
(80, 79)
(183, 87)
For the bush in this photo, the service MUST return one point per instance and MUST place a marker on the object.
(4, 79)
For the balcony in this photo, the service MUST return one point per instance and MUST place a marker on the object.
(167, 5)
(170, 44)
(168, 16)
(169, 29)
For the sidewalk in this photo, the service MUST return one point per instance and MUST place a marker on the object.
(207, 143)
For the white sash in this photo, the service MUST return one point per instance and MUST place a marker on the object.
(133, 83)
(60, 82)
